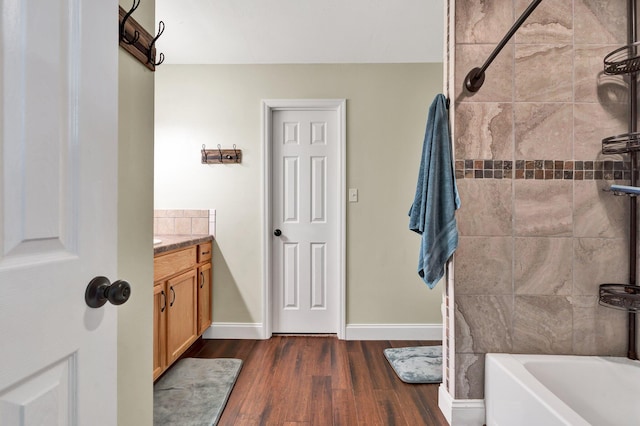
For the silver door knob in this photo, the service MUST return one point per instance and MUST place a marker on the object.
(100, 290)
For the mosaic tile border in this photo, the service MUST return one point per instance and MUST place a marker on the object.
(542, 169)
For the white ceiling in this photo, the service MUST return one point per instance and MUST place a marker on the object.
(300, 31)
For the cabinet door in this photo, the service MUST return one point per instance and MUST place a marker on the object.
(159, 329)
(204, 297)
(182, 295)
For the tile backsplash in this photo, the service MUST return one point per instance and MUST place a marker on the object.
(184, 222)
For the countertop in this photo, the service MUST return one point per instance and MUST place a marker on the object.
(174, 242)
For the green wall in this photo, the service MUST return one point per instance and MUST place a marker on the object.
(135, 232)
(387, 106)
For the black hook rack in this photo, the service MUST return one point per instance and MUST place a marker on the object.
(220, 156)
(133, 38)
(475, 79)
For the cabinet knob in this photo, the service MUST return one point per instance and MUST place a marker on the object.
(100, 290)
(277, 232)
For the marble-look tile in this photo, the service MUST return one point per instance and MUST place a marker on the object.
(597, 213)
(599, 261)
(199, 213)
(551, 22)
(592, 123)
(483, 323)
(600, 21)
(470, 376)
(160, 213)
(598, 330)
(482, 21)
(155, 226)
(486, 207)
(542, 325)
(543, 208)
(543, 131)
(592, 85)
(498, 83)
(544, 73)
(543, 266)
(483, 265)
(611, 331)
(484, 131)
(584, 324)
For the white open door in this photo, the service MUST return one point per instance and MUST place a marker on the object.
(58, 217)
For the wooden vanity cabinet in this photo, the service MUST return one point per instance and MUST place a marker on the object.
(204, 287)
(204, 297)
(182, 302)
(159, 330)
(182, 328)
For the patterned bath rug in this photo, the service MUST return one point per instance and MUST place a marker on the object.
(420, 364)
(194, 391)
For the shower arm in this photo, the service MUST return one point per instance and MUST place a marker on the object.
(474, 80)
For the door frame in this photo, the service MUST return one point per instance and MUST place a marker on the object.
(268, 107)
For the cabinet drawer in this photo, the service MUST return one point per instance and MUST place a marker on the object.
(204, 252)
(173, 263)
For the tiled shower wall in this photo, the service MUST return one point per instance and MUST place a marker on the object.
(537, 232)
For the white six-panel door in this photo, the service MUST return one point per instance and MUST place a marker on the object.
(58, 155)
(305, 214)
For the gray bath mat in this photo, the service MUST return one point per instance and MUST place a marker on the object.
(420, 364)
(194, 391)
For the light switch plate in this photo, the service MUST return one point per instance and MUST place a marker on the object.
(353, 195)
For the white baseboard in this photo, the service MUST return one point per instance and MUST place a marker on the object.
(232, 330)
(393, 332)
(461, 412)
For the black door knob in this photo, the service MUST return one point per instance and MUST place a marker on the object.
(277, 232)
(100, 290)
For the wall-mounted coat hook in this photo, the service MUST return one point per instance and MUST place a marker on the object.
(151, 53)
(203, 154)
(220, 156)
(136, 40)
(123, 24)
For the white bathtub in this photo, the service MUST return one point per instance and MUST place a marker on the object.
(549, 390)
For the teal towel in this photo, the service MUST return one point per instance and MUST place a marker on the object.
(432, 214)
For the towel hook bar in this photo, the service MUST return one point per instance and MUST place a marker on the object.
(219, 155)
(475, 79)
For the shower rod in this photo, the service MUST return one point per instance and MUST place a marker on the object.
(474, 80)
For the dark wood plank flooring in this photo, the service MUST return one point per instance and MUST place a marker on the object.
(309, 380)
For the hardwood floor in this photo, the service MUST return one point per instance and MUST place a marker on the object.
(308, 380)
